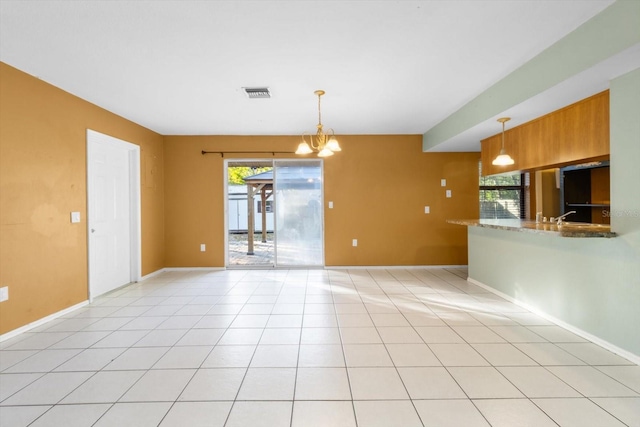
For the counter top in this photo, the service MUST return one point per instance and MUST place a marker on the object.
(567, 229)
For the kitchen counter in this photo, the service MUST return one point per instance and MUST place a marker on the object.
(566, 229)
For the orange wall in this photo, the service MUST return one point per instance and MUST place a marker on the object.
(43, 257)
(379, 185)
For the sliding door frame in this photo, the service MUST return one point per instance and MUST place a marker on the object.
(225, 190)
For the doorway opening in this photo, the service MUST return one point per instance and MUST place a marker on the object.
(274, 214)
(250, 237)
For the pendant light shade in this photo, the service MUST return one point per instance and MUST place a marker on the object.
(503, 158)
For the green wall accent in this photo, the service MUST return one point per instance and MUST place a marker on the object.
(592, 284)
(613, 30)
(588, 283)
(625, 153)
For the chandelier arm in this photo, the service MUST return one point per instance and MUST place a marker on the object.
(310, 142)
(319, 143)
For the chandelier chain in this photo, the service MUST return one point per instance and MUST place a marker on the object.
(319, 112)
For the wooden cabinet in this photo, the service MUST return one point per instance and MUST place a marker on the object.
(577, 132)
(584, 188)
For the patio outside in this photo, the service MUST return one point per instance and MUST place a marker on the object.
(262, 252)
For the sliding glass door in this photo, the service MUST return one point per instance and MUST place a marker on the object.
(299, 214)
(274, 213)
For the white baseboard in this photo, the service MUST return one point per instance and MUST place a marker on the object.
(40, 322)
(390, 267)
(150, 275)
(634, 358)
(328, 267)
(193, 268)
(163, 270)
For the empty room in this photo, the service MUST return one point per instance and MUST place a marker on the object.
(320, 213)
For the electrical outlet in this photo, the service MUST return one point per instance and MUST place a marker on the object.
(203, 247)
(330, 205)
(75, 217)
(443, 183)
(354, 242)
(4, 293)
(448, 193)
(427, 209)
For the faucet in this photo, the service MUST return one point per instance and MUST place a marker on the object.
(561, 217)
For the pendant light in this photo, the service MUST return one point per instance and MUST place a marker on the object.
(503, 158)
(324, 144)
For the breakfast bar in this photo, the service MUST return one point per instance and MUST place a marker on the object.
(564, 229)
(567, 273)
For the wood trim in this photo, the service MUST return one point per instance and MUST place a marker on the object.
(579, 131)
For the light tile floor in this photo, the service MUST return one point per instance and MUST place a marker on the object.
(362, 347)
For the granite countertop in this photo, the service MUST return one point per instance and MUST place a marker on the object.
(567, 229)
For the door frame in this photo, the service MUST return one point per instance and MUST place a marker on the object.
(225, 191)
(135, 230)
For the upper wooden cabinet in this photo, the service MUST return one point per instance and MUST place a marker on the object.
(576, 132)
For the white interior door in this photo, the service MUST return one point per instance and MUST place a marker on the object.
(110, 213)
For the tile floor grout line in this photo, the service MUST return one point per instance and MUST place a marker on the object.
(396, 367)
(384, 288)
(295, 382)
(344, 358)
(251, 359)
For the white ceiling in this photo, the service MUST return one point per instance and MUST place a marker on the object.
(388, 67)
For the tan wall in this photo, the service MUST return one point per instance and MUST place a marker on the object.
(43, 257)
(379, 186)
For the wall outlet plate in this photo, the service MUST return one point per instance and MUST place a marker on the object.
(354, 242)
(203, 247)
(75, 217)
(427, 209)
(330, 205)
(4, 293)
(448, 193)
(443, 183)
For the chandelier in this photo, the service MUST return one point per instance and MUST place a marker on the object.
(325, 145)
(503, 158)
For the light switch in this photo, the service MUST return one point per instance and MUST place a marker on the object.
(355, 242)
(426, 209)
(330, 205)
(203, 247)
(75, 217)
(443, 183)
(448, 193)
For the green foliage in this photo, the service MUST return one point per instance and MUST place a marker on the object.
(236, 174)
(498, 181)
(496, 195)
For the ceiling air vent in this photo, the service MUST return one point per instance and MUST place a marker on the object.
(257, 92)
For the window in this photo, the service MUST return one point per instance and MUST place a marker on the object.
(268, 206)
(503, 196)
